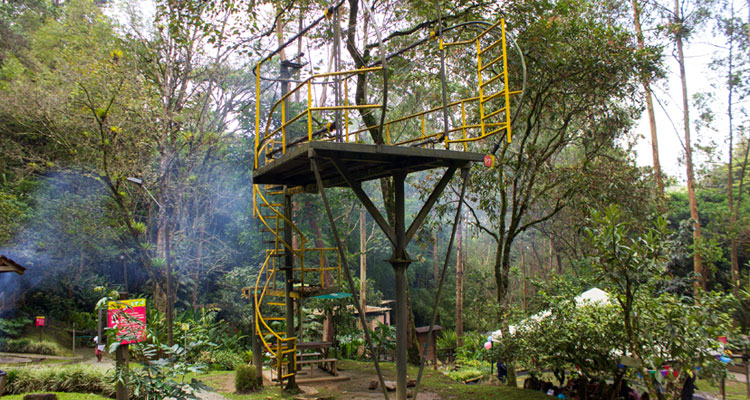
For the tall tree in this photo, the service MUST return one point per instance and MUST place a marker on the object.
(573, 114)
(637, 13)
(680, 29)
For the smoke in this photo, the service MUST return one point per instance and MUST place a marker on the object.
(66, 225)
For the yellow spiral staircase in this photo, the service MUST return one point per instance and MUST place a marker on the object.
(316, 271)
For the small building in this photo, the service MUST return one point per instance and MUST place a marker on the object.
(422, 338)
(375, 314)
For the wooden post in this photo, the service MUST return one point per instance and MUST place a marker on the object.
(122, 364)
(257, 356)
(74, 338)
(122, 361)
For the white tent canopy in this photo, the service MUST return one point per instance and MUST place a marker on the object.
(591, 296)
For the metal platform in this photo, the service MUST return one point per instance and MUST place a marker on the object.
(361, 162)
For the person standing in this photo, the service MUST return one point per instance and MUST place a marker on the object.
(98, 349)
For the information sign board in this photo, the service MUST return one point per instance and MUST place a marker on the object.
(128, 317)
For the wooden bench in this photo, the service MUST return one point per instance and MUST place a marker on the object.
(328, 364)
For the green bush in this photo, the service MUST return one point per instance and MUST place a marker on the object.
(221, 360)
(246, 378)
(13, 327)
(31, 346)
(76, 378)
(464, 374)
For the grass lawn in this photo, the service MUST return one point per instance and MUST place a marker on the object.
(61, 396)
(735, 390)
(362, 372)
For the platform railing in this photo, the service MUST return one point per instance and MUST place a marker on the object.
(491, 52)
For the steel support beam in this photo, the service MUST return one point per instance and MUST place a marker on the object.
(345, 267)
(419, 219)
(399, 238)
(365, 200)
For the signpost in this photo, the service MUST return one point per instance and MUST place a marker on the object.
(40, 324)
(128, 318)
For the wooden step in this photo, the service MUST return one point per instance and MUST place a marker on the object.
(318, 361)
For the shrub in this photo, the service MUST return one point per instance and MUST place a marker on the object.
(30, 346)
(221, 360)
(246, 378)
(464, 374)
(77, 378)
(247, 356)
(13, 327)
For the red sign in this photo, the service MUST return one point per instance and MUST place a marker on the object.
(39, 321)
(723, 339)
(128, 317)
(489, 160)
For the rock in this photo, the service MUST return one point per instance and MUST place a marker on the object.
(373, 385)
(411, 383)
(40, 396)
(390, 386)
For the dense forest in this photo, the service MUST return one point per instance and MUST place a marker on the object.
(127, 134)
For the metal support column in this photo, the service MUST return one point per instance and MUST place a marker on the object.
(288, 267)
(288, 289)
(400, 262)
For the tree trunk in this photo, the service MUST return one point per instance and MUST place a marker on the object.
(697, 259)
(730, 171)
(459, 285)
(363, 260)
(525, 288)
(435, 265)
(649, 103)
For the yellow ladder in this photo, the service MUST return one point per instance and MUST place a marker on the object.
(490, 128)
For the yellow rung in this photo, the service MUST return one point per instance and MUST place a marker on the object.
(493, 62)
(488, 98)
(490, 47)
(492, 114)
(276, 304)
(498, 76)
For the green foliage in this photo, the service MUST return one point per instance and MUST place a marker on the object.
(31, 346)
(75, 378)
(221, 360)
(464, 374)
(163, 371)
(383, 338)
(246, 378)
(349, 344)
(658, 325)
(13, 327)
(473, 347)
(572, 335)
(447, 339)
